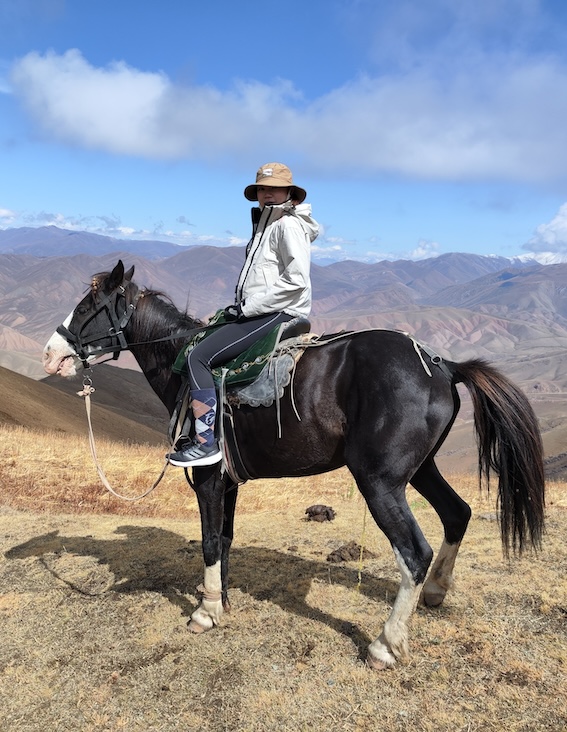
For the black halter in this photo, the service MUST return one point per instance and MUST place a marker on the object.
(84, 347)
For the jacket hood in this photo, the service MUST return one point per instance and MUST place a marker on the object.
(302, 212)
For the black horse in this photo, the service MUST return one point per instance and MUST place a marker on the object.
(374, 401)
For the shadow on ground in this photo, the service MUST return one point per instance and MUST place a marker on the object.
(156, 560)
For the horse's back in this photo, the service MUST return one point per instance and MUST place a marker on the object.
(374, 357)
(351, 387)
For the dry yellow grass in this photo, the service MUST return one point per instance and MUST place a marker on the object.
(95, 595)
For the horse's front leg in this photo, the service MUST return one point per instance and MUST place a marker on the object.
(210, 490)
(230, 496)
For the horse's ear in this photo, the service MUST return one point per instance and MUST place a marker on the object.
(128, 275)
(116, 276)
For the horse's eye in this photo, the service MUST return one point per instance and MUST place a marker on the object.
(82, 310)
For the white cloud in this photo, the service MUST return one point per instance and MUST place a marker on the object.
(339, 249)
(112, 109)
(7, 217)
(236, 241)
(476, 124)
(424, 250)
(550, 237)
(320, 251)
(449, 110)
(46, 218)
(104, 225)
(111, 226)
(122, 110)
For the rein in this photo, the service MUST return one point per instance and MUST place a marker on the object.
(85, 350)
(84, 347)
(86, 392)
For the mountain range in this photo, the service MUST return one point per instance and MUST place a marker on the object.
(52, 241)
(511, 312)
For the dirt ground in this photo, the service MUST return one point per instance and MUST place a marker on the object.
(94, 612)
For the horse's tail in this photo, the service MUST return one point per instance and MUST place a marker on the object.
(509, 444)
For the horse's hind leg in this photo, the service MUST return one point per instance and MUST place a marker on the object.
(455, 515)
(391, 512)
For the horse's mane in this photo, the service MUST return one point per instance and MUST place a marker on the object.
(164, 316)
(161, 316)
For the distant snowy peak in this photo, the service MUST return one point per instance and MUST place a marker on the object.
(52, 241)
(543, 257)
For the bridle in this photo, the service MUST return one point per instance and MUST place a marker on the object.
(84, 346)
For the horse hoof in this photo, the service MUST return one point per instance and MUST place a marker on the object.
(194, 627)
(377, 665)
(380, 664)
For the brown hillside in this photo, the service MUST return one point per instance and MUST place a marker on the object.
(511, 316)
(41, 407)
(121, 390)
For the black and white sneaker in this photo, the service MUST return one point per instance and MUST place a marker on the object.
(195, 454)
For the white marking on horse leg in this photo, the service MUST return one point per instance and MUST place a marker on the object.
(392, 644)
(210, 610)
(440, 577)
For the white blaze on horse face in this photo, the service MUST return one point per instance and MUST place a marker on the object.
(59, 357)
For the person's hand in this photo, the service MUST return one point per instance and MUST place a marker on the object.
(233, 312)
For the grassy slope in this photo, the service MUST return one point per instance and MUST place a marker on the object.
(94, 607)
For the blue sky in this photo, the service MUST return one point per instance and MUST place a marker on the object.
(418, 127)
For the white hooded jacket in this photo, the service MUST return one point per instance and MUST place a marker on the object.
(275, 276)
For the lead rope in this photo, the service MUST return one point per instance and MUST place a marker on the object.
(86, 392)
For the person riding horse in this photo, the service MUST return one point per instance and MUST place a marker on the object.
(375, 401)
(274, 287)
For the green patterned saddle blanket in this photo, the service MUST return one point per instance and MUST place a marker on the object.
(249, 365)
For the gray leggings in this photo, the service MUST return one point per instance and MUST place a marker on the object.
(227, 343)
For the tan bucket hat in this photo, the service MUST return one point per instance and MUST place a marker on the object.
(277, 175)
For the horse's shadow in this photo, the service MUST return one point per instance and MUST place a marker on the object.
(156, 560)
